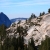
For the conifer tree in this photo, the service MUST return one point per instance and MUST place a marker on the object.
(45, 45)
(49, 10)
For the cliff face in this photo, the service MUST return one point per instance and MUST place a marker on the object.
(38, 28)
(39, 32)
(4, 20)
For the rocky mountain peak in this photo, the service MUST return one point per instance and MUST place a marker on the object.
(4, 20)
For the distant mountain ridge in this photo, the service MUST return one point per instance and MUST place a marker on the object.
(17, 19)
(6, 21)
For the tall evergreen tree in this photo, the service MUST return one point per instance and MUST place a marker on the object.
(7, 44)
(33, 44)
(43, 13)
(45, 45)
(15, 43)
(40, 14)
(21, 42)
(49, 10)
(2, 32)
(32, 16)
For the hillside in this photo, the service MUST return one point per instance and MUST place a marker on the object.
(30, 33)
(37, 30)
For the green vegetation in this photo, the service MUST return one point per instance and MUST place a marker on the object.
(43, 13)
(2, 32)
(32, 16)
(49, 10)
(45, 44)
(7, 43)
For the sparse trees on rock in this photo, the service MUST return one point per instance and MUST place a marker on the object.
(43, 13)
(40, 14)
(49, 10)
(32, 16)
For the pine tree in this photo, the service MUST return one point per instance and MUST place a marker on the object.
(2, 32)
(7, 44)
(33, 44)
(15, 43)
(21, 42)
(32, 16)
(45, 45)
(49, 10)
(40, 14)
(43, 13)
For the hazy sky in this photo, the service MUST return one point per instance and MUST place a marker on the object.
(23, 8)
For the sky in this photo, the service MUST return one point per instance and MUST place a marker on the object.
(23, 8)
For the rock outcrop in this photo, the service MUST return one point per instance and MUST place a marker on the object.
(38, 30)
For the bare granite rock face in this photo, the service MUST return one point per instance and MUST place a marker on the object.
(39, 32)
(38, 29)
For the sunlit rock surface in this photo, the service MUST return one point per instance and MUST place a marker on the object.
(38, 31)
